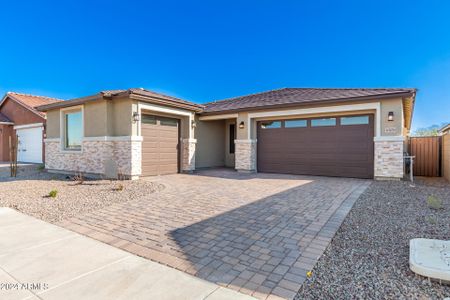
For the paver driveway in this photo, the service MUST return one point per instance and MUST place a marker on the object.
(256, 233)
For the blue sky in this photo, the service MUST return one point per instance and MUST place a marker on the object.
(208, 50)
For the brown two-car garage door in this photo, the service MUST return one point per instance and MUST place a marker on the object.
(332, 146)
(160, 147)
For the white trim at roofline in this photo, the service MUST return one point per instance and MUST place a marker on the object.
(33, 125)
(319, 110)
(166, 110)
(218, 117)
(6, 123)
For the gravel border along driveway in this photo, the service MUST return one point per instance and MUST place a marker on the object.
(368, 257)
(28, 193)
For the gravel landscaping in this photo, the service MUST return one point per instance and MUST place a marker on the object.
(29, 193)
(368, 257)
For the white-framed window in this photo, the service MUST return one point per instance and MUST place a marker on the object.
(271, 124)
(295, 123)
(323, 122)
(358, 120)
(72, 121)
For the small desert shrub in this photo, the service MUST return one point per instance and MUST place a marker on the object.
(434, 202)
(53, 193)
(41, 168)
(432, 220)
(119, 187)
(78, 178)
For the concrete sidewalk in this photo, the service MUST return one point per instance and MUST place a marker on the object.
(39, 260)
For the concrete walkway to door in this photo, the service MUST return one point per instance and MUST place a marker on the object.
(43, 261)
(256, 233)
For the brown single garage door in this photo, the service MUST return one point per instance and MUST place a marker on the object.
(332, 146)
(160, 150)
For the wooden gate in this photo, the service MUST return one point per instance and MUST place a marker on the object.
(427, 152)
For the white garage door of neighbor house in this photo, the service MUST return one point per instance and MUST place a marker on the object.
(30, 145)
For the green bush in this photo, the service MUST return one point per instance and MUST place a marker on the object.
(434, 202)
(53, 193)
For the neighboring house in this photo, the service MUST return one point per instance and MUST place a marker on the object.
(332, 132)
(19, 117)
(445, 132)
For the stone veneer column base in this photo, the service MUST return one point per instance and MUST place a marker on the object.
(389, 160)
(245, 155)
(107, 158)
(188, 155)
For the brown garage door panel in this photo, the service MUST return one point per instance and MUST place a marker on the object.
(339, 150)
(160, 147)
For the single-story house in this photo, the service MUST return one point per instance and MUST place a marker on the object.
(317, 131)
(445, 132)
(19, 117)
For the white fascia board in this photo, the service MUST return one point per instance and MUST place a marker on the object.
(218, 117)
(162, 109)
(166, 110)
(33, 125)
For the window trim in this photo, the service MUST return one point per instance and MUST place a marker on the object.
(62, 128)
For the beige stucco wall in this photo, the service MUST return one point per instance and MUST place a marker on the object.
(122, 117)
(241, 134)
(210, 150)
(392, 128)
(53, 124)
(95, 118)
(446, 156)
(101, 118)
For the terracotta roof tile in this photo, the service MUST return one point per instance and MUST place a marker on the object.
(32, 101)
(288, 96)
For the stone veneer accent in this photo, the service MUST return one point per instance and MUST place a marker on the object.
(245, 155)
(102, 157)
(188, 155)
(388, 159)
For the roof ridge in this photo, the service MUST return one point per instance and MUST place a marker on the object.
(354, 88)
(31, 95)
(306, 88)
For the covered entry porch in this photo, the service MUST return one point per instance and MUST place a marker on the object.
(216, 136)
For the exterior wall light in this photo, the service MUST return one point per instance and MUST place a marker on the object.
(241, 125)
(391, 116)
(193, 124)
(136, 117)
